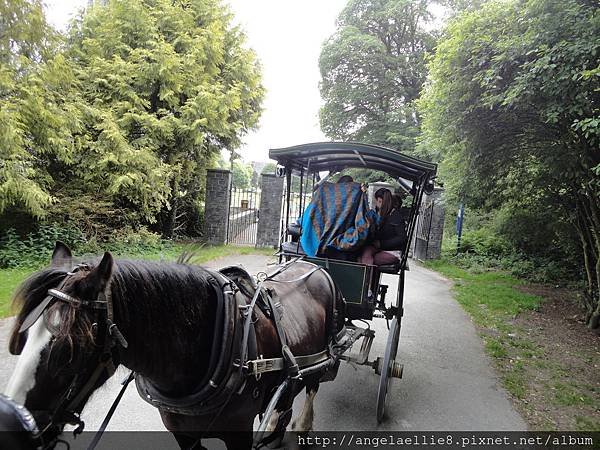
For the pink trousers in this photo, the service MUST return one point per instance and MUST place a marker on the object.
(375, 256)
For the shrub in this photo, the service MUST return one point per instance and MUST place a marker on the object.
(35, 248)
(527, 230)
(484, 242)
(527, 241)
(128, 240)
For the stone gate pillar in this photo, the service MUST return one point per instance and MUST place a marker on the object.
(216, 206)
(269, 223)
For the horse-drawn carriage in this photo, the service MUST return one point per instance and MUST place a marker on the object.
(364, 294)
(214, 349)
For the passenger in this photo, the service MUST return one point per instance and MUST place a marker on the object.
(346, 179)
(389, 232)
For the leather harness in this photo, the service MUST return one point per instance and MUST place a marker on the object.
(222, 377)
(234, 354)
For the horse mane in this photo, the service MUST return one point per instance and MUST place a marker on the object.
(145, 295)
(150, 294)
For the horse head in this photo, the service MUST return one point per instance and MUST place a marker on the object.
(62, 334)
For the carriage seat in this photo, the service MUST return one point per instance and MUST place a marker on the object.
(293, 247)
(391, 268)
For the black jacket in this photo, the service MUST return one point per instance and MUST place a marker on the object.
(391, 232)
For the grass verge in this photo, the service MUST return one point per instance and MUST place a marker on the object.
(10, 279)
(544, 362)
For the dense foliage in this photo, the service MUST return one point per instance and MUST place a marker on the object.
(242, 175)
(372, 71)
(115, 127)
(513, 112)
(32, 88)
(35, 249)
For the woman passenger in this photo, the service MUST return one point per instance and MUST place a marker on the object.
(389, 235)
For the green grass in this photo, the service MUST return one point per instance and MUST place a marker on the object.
(492, 301)
(569, 395)
(10, 279)
(495, 348)
(584, 423)
(487, 296)
(515, 380)
(204, 254)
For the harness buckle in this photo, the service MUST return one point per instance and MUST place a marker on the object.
(261, 276)
(258, 366)
(80, 427)
(113, 330)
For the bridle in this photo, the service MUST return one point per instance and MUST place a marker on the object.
(106, 337)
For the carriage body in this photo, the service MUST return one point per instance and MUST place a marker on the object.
(353, 280)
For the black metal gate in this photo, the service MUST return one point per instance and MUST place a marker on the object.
(243, 216)
(423, 231)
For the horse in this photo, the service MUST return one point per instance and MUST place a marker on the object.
(161, 320)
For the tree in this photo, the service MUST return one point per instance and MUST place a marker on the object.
(120, 121)
(220, 163)
(34, 127)
(512, 111)
(241, 175)
(372, 71)
(167, 85)
(269, 168)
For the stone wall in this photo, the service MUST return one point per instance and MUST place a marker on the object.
(216, 209)
(269, 222)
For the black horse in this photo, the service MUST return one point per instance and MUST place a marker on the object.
(159, 320)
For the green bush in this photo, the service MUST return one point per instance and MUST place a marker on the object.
(484, 242)
(525, 240)
(130, 242)
(536, 269)
(528, 230)
(35, 248)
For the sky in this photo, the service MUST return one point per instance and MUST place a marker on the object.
(287, 36)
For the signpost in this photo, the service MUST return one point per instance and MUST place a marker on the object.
(459, 225)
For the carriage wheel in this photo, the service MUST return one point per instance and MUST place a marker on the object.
(388, 363)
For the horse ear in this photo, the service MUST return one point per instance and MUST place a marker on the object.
(100, 275)
(61, 256)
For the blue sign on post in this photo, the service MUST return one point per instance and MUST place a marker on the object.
(459, 224)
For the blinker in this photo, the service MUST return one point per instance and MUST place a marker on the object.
(35, 314)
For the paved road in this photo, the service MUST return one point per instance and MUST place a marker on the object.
(448, 382)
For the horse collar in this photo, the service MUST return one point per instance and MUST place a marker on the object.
(225, 375)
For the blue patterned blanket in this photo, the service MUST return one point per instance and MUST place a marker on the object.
(337, 217)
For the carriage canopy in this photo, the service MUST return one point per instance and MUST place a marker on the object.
(335, 156)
